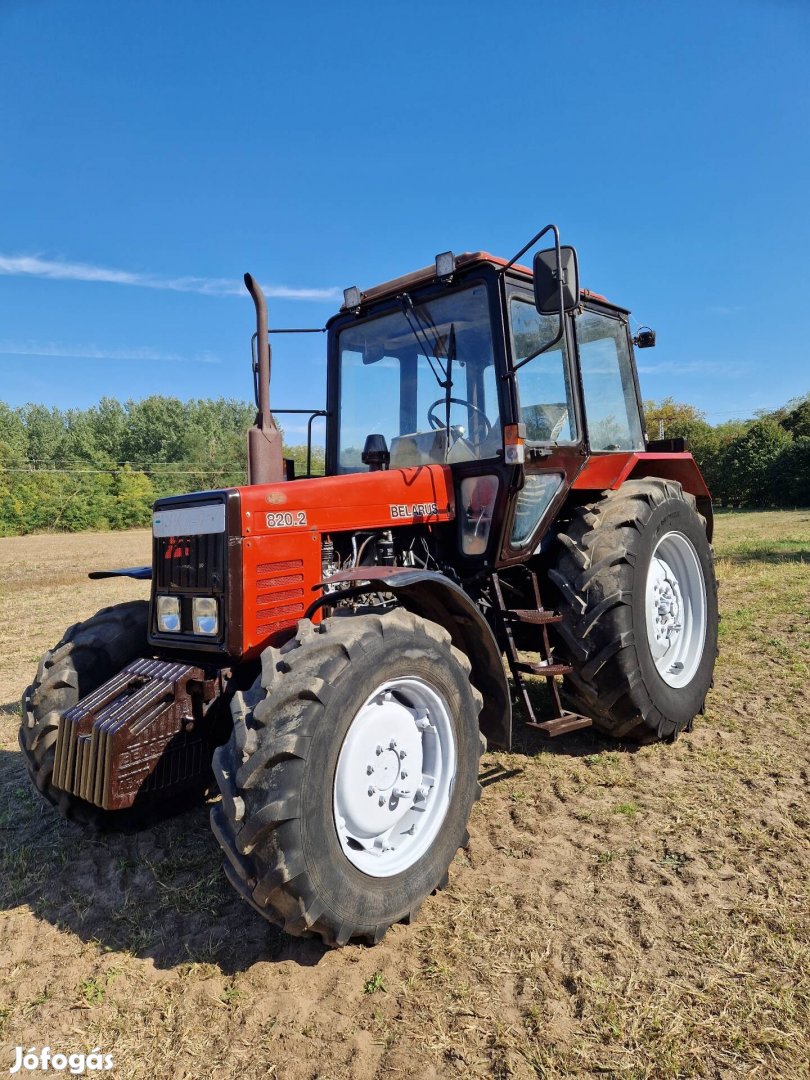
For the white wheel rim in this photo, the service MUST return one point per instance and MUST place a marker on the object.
(394, 777)
(676, 609)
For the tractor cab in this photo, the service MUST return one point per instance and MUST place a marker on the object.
(493, 369)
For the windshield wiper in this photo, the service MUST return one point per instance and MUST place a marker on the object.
(420, 331)
(451, 355)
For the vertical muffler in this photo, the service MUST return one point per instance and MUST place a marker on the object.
(265, 458)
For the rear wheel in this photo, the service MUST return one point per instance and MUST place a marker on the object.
(350, 775)
(639, 602)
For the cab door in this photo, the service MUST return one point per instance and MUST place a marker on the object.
(547, 403)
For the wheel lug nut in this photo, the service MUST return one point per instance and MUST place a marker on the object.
(371, 791)
(369, 770)
(403, 774)
(392, 745)
(381, 800)
(402, 754)
(379, 750)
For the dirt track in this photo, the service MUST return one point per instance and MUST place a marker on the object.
(618, 913)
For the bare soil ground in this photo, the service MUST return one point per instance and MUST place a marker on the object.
(618, 913)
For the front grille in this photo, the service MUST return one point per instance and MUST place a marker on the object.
(190, 562)
(200, 556)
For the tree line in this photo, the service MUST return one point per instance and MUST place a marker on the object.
(761, 462)
(103, 467)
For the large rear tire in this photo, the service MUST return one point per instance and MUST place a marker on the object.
(350, 775)
(638, 596)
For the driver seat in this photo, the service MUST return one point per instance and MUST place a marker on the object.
(418, 448)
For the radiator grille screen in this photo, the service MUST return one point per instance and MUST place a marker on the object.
(190, 562)
(279, 594)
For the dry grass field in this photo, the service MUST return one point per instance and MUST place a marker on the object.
(618, 913)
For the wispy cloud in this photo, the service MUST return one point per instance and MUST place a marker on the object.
(61, 270)
(141, 353)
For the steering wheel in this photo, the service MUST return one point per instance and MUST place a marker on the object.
(438, 425)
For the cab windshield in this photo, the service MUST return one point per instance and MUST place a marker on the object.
(423, 377)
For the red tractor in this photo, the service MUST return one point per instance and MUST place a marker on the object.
(332, 647)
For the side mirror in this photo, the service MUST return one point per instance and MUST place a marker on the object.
(547, 281)
(645, 338)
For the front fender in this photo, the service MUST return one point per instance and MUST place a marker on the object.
(434, 596)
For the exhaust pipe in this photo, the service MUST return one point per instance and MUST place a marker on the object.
(265, 461)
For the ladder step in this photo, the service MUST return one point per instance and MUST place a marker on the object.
(561, 725)
(546, 670)
(532, 615)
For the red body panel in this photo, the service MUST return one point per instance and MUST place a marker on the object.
(283, 525)
(604, 471)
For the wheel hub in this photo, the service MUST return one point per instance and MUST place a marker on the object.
(675, 609)
(381, 744)
(393, 777)
(668, 604)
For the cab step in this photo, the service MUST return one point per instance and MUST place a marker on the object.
(561, 725)
(548, 671)
(563, 721)
(530, 615)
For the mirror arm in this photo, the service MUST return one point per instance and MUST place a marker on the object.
(532, 242)
(560, 293)
(543, 348)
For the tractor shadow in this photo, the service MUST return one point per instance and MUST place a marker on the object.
(788, 552)
(529, 743)
(157, 894)
(160, 893)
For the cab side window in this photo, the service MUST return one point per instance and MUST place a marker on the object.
(611, 407)
(546, 406)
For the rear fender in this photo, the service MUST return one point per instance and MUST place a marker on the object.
(435, 597)
(609, 471)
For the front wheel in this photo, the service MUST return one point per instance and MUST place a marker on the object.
(350, 775)
(638, 596)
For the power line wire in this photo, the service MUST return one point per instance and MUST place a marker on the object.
(101, 472)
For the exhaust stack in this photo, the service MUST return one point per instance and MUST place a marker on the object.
(265, 461)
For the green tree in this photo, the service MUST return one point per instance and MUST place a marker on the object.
(79, 443)
(747, 461)
(156, 428)
(797, 421)
(13, 432)
(45, 430)
(683, 421)
(132, 496)
(789, 474)
(110, 423)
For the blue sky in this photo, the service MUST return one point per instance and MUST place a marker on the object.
(151, 152)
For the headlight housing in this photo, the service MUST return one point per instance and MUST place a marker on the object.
(168, 614)
(205, 615)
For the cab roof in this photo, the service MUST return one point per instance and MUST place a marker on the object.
(462, 262)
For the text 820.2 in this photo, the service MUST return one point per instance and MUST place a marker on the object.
(284, 519)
